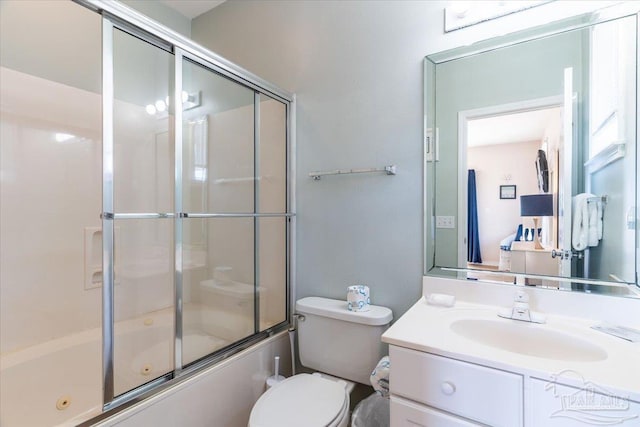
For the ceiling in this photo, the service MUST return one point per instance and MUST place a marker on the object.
(511, 128)
(192, 8)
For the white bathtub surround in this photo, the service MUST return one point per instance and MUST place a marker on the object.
(71, 365)
(221, 395)
(531, 371)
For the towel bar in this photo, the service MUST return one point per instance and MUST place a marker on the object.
(389, 170)
(602, 199)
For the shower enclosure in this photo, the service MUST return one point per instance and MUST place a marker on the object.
(146, 209)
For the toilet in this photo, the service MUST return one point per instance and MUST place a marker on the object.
(343, 346)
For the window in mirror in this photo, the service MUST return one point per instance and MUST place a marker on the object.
(610, 60)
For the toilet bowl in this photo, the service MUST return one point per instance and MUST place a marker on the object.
(303, 400)
(333, 340)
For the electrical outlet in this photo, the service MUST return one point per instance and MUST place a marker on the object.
(443, 221)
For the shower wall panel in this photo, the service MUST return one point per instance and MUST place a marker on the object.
(50, 158)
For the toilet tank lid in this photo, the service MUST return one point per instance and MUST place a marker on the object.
(337, 309)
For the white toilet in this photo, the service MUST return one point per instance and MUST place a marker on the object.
(332, 340)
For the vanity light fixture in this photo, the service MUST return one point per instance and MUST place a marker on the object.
(461, 14)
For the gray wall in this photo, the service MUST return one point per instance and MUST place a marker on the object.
(163, 14)
(356, 68)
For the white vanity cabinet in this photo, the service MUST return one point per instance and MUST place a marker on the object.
(559, 405)
(405, 413)
(436, 391)
(509, 373)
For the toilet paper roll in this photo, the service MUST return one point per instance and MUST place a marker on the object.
(358, 298)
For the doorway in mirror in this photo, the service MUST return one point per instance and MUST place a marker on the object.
(503, 145)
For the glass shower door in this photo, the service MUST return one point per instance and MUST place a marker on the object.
(143, 206)
(195, 212)
(234, 226)
(218, 195)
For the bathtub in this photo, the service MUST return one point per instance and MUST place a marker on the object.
(52, 383)
(58, 383)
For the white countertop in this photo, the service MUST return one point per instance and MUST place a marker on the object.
(426, 328)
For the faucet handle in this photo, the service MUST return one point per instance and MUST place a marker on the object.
(521, 310)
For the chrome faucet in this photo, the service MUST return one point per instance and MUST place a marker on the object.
(521, 310)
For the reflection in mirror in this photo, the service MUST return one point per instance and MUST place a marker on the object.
(530, 144)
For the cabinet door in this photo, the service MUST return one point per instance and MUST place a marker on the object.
(557, 405)
(540, 262)
(518, 262)
(405, 413)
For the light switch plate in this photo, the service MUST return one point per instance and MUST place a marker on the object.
(444, 221)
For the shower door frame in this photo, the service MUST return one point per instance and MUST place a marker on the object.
(121, 17)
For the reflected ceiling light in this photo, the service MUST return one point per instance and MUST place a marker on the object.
(189, 101)
(62, 137)
(160, 105)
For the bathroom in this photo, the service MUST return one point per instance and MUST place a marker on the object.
(357, 72)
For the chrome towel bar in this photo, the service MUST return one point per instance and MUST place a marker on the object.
(389, 170)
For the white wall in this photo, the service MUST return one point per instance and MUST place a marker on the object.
(50, 191)
(356, 68)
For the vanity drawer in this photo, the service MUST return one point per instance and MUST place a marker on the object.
(405, 413)
(558, 405)
(483, 394)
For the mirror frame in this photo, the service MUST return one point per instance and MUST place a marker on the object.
(430, 146)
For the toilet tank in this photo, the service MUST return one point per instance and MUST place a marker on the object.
(336, 341)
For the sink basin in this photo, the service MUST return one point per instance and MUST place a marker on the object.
(528, 339)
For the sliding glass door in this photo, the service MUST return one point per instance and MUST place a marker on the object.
(196, 211)
(143, 187)
(218, 201)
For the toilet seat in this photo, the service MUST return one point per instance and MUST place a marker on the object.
(302, 400)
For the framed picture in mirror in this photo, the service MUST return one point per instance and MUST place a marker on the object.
(507, 191)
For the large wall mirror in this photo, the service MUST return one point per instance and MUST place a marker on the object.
(531, 156)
